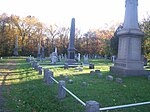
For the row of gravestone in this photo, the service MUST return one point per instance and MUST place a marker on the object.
(109, 77)
(37, 67)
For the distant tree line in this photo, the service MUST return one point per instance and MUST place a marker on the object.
(31, 31)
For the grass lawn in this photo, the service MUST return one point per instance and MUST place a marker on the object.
(28, 93)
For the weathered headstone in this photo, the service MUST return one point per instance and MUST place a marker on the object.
(66, 78)
(99, 75)
(59, 57)
(40, 70)
(54, 59)
(66, 66)
(144, 59)
(54, 56)
(79, 56)
(61, 76)
(97, 71)
(109, 77)
(113, 58)
(70, 81)
(91, 66)
(92, 73)
(119, 80)
(65, 57)
(86, 59)
(84, 84)
(80, 69)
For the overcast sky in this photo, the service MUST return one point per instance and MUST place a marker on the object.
(88, 13)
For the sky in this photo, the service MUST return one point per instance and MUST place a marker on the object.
(89, 14)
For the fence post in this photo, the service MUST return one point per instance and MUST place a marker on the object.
(45, 74)
(40, 70)
(61, 91)
(49, 79)
(92, 106)
(36, 66)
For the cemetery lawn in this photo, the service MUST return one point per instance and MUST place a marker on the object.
(28, 93)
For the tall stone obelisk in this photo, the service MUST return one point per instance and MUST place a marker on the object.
(16, 47)
(71, 48)
(129, 60)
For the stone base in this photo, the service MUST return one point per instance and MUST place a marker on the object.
(71, 61)
(129, 72)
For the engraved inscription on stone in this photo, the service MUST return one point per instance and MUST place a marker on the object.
(134, 49)
(123, 47)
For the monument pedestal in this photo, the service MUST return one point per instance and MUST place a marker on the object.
(129, 72)
(129, 61)
(71, 57)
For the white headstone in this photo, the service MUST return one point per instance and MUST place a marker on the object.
(79, 57)
(86, 59)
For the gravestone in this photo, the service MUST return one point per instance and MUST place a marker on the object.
(16, 47)
(80, 69)
(66, 66)
(99, 75)
(84, 84)
(91, 66)
(119, 80)
(144, 59)
(79, 56)
(66, 78)
(53, 59)
(86, 59)
(40, 70)
(113, 58)
(61, 76)
(65, 57)
(59, 57)
(109, 77)
(70, 81)
(97, 71)
(129, 60)
(62, 56)
(92, 73)
(54, 56)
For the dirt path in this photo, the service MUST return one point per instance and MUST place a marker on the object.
(5, 71)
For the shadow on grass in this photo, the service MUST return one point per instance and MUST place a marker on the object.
(31, 94)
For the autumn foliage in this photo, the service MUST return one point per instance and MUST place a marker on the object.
(31, 31)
